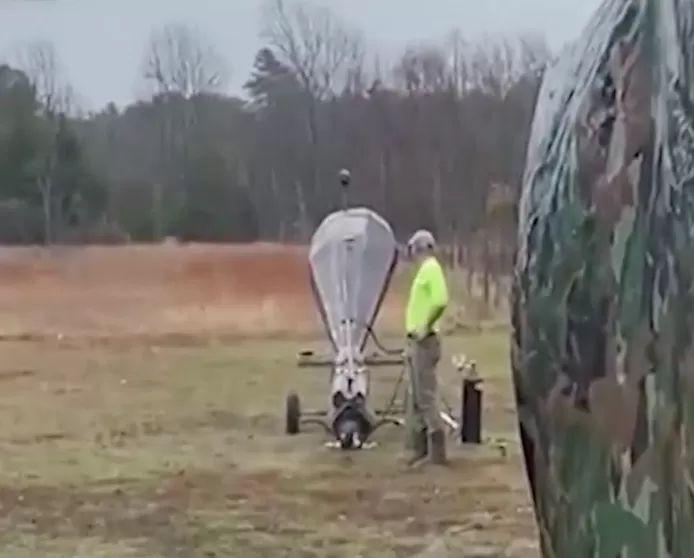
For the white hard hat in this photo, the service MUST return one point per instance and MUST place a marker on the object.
(421, 240)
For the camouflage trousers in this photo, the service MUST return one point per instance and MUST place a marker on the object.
(421, 400)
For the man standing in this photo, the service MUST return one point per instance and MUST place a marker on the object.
(427, 302)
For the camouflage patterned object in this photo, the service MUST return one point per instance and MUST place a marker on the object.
(603, 298)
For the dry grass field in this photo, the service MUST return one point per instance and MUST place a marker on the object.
(142, 400)
(149, 292)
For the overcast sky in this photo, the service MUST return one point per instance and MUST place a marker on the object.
(101, 42)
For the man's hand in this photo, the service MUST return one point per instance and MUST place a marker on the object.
(436, 314)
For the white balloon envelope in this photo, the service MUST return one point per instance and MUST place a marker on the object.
(353, 255)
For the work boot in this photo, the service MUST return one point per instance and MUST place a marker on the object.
(437, 448)
(420, 447)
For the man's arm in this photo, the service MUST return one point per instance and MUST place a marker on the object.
(438, 290)
(436, 313)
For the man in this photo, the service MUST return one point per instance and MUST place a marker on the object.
(427, 302)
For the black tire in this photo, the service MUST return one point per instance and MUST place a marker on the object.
(293, 414)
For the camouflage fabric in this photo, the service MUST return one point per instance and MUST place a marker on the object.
(603, 296)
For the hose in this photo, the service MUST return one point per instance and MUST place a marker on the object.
(393, 398)
(380, 345)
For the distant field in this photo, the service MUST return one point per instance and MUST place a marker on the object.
(165, 440)
(193, 290)
(198, 292)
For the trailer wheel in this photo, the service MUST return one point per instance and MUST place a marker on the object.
(293, 414)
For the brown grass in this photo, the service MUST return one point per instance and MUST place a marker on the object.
(192, 290)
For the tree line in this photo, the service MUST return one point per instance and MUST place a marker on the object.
(433, 139)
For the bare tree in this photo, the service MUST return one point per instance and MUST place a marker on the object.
(357, 80)
(459, 62)
(422, 69)
(534, 53)
(178, 60)
(498, 64)
(326, 57)
(179, 65)
(312, 41)
(39, 61)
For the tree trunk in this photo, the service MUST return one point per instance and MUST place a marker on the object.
(486, 262)
(304, 232)
(277, 207)
(46, 189)
(383, 182)
(313, 190)
(470, 265)
(438, 202)
(158, 211)
(499, 290)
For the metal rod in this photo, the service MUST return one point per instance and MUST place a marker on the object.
(318, 362)
(314, 413)
(345, 180)
(388, 412)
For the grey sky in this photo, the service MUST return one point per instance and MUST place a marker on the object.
(101, 42)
